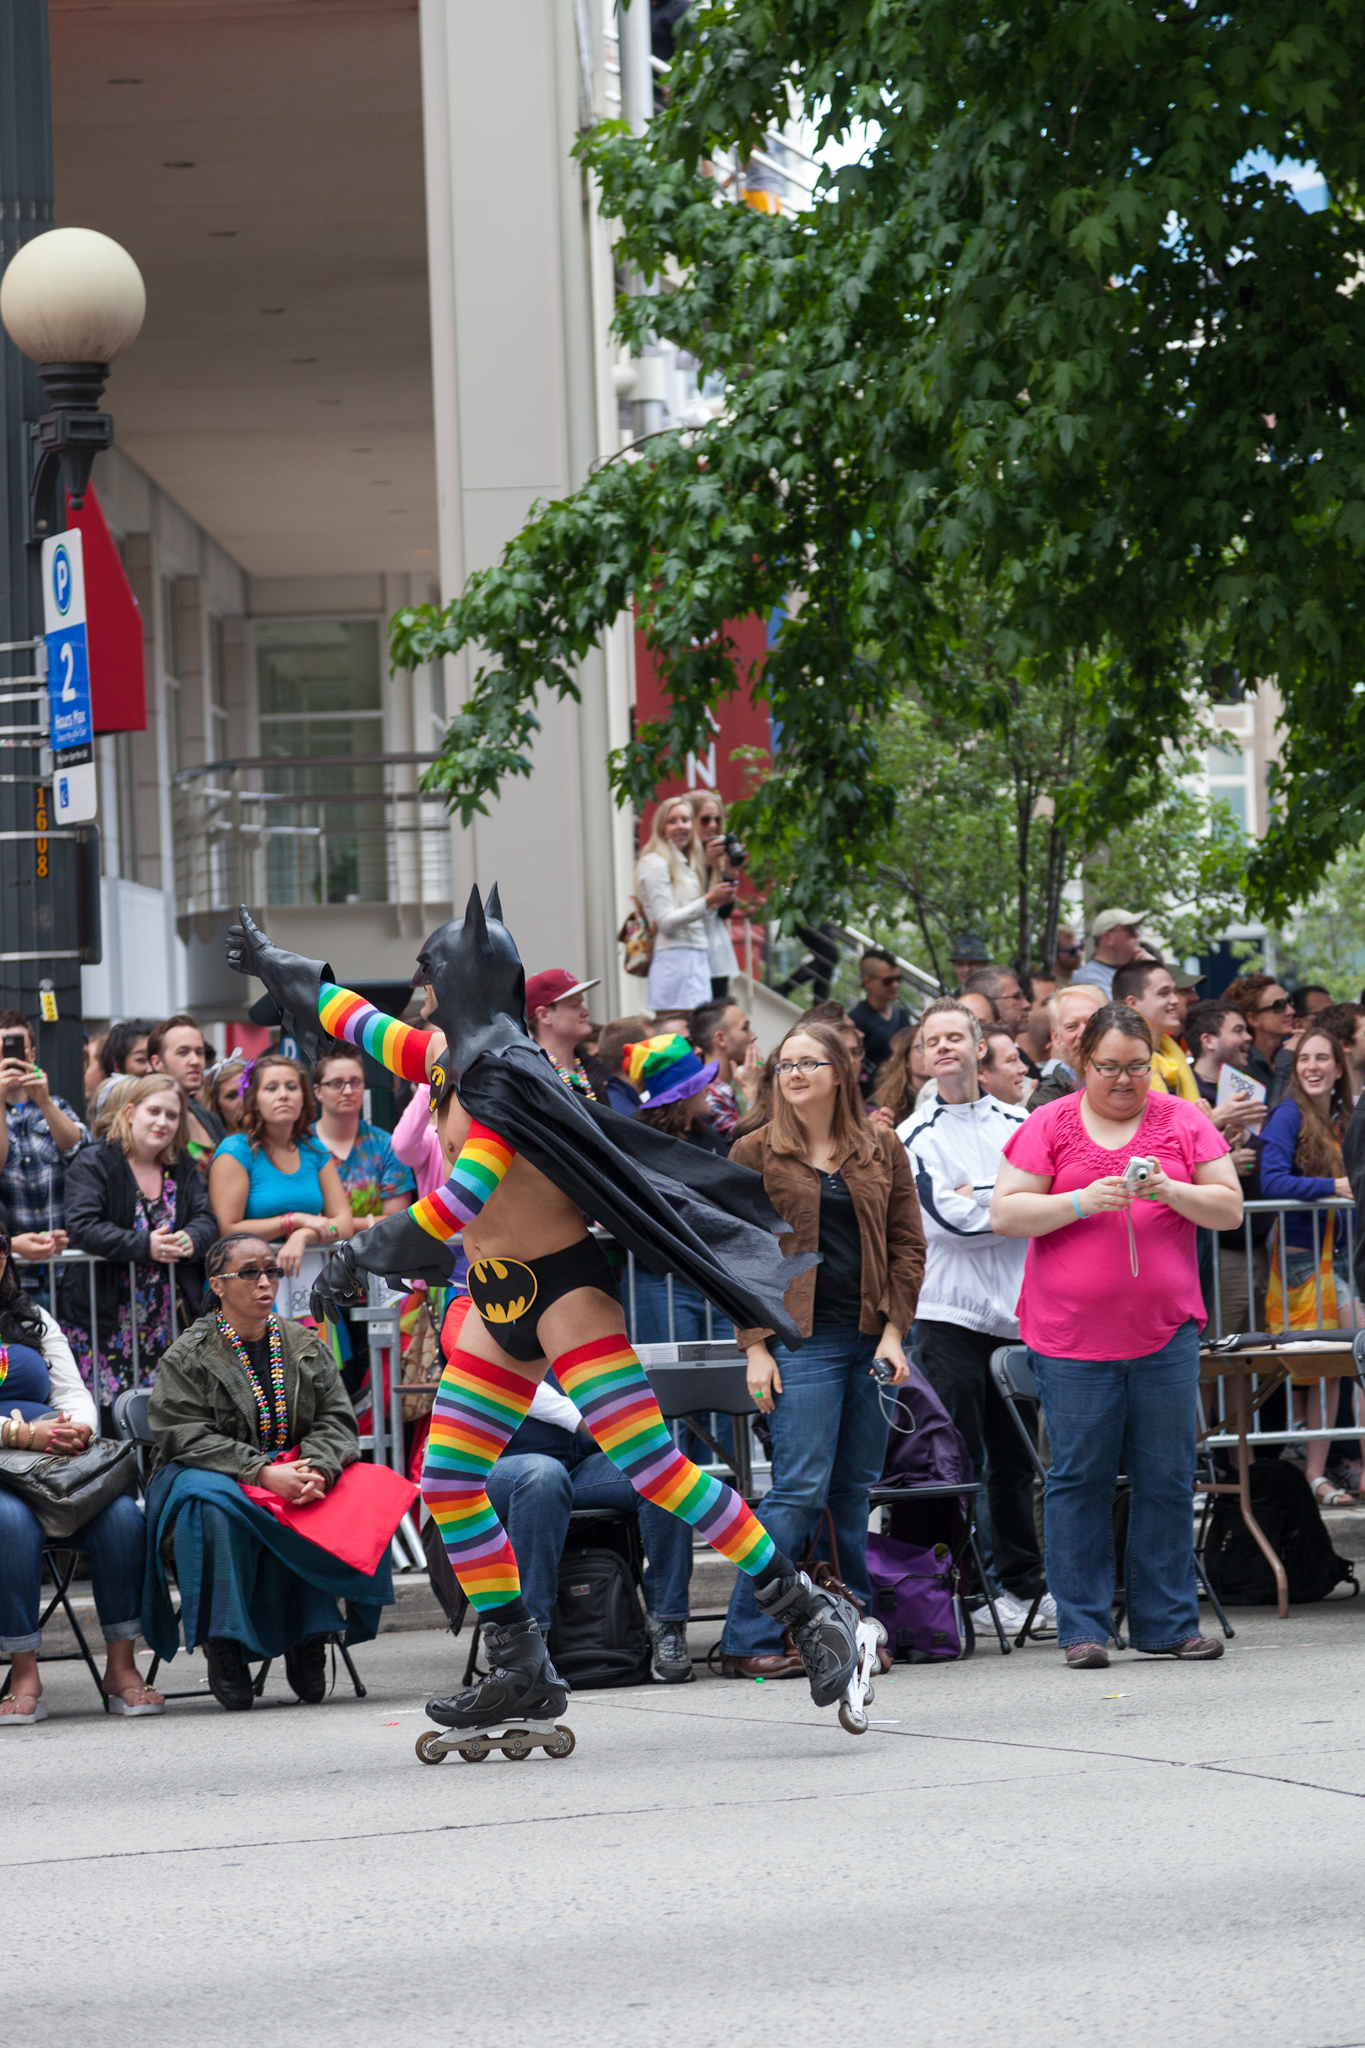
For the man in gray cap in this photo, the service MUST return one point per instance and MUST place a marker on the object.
(1116, 941)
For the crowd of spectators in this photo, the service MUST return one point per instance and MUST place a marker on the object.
(937, 1162)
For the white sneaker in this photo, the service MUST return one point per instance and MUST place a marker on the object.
(1014, 1612)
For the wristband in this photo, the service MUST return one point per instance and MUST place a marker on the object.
(1076, 1205)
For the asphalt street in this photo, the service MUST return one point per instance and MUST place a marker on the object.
(1156, 1854)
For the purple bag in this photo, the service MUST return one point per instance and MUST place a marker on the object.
(912, 1595)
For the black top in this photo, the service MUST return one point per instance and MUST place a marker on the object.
(878, 1031)
(259, 1354)
(839, 1276)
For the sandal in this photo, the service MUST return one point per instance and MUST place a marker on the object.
(38, 1712)
(136, 1697)
(1334, 1497)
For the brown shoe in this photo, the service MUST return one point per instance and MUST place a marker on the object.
(779, 1665)
(1087, 1657)
(1194, 1650)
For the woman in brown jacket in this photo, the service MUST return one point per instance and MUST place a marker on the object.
(845, 1187)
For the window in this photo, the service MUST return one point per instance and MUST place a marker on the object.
(321, 712)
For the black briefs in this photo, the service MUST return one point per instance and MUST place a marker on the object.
(512, 1295)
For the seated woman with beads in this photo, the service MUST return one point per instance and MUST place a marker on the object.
(246, 1398)
(46, 1406)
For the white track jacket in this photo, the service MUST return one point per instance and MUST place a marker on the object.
(971, 1276)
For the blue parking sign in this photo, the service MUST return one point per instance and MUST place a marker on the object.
(68, 657)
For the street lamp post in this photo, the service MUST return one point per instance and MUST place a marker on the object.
(71, 301)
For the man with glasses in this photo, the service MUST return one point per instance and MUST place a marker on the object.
(880, 1014)
(1265, 1005)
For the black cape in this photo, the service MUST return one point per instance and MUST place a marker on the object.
(679, 1209)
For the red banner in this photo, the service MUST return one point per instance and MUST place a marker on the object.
(739, 722)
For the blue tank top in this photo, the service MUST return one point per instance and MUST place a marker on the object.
(273, 1193)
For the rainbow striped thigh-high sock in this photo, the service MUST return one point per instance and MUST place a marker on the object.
(478, 1408)
(607, 1382)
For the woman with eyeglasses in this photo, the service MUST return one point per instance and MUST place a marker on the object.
(1111, 1311)
(138, 1199)
(46, 1407)
(273, 1173)
(844, 1185)
(375, 1180)
(248, 1398)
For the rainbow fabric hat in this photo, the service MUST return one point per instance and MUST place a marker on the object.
(667, 1069)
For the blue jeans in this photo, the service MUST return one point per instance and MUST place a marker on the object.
(651, 1310)
(1137, 1415)
(689, 1324)
(532, 1496)
(829, 1444)
(115, 1541)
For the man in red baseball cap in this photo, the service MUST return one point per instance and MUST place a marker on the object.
(559, 1021)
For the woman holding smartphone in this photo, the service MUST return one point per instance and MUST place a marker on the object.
(1111, 1311)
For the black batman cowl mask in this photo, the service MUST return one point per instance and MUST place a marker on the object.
(479, 983)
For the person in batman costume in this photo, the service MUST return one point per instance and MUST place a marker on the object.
(528, 1157)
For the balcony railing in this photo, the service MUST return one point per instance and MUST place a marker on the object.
(308, 829)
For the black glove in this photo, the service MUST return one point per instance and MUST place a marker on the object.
(290, 980)
(396, 1249)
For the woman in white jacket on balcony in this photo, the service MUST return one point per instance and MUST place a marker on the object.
(670, 882)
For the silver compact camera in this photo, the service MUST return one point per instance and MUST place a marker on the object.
(1138, 1172)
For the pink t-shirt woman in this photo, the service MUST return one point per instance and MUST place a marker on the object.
(1079, 1298)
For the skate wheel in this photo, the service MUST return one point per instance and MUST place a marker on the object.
(563, 1743)
(475, 1752)
(853, 1722)
(868, 1697)
(516, 1752)
(429, 1747)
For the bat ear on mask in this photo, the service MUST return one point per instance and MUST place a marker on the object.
(493, 907)
(474, 924)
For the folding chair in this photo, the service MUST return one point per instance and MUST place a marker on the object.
(1014, 1376)
(60, 1560)
(130, 1423)
(965, 1493)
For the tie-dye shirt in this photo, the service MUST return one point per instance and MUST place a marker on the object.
(372, 1170)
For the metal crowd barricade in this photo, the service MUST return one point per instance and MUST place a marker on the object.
(1350, 1316)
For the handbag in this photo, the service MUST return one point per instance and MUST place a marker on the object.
(66, 1493)
(637, 938)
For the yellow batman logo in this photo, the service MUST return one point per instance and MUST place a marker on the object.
(501, 1289)
(438, 1077)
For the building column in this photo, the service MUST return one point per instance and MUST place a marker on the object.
(519, 351)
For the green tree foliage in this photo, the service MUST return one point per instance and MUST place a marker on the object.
(1325, 941)
(968, 853)
(1051, 341)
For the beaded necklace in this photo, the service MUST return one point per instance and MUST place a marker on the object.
(572, 1077)
(273, 1422)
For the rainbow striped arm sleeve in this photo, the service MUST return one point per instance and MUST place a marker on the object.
(476, 1175)
(396, 1046)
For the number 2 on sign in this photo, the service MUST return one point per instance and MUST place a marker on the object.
(68, 670)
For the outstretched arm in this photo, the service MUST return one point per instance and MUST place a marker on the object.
(399, 1047)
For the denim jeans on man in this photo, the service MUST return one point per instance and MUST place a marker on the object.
(829, 1444)
(115, 1541)
(689, 1318)
(533, 1494)
(1139, 1416)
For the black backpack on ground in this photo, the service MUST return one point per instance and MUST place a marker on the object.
(597, 1627)
(1282, 1502)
